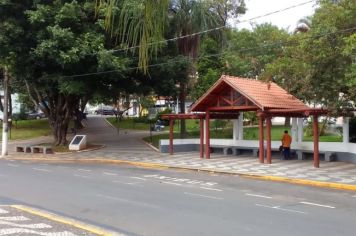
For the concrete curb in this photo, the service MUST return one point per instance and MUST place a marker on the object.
(150, 145)
(163, 166)
(66, 221)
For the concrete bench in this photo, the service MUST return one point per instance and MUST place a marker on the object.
(35, 149)
(24, 149)
(225, 149)
(234, 150)
(240, 150)
(328, 156)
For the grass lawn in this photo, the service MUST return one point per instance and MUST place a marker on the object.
(250, 133)
(219, 129)
(26, 129)
(128, 123)
(191, 125)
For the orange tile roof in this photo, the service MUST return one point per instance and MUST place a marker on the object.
(260, 93)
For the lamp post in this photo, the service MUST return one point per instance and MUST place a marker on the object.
(5, 122)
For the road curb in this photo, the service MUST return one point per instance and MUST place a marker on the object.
(313, 183)
(66, 221)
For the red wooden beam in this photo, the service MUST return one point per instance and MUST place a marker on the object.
(207, 135)
(225, 115)
(171, 136)
(268, 131)
(261, 147)
(316, 141)
(201, 149)
(301, 111)
(234, 108)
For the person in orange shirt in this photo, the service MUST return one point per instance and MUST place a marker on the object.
(286, 142)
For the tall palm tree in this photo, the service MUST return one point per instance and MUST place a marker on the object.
(142, 23)
(136, 24)
(189, 17)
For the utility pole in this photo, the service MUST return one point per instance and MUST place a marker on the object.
(5, 125)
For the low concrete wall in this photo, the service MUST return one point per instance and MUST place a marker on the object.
(345, 152)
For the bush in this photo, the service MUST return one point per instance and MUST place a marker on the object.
(19, 116)
(165, 111)
(142, 119)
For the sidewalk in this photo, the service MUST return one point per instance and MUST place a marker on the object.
(127, 147)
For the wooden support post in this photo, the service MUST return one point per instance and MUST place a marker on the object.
(268, 132)
(201, 147)
(316, 141)
(261, 146)
(171, 136)
(207, 141)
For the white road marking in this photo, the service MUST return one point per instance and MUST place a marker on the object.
(82, 176)
(256, 195)
(134, 177)
(13, 165)
(210, 183)
(84, 170)
(316, 204)
(27, 231)
(212, 189)
(40, 169)
(109, 173)
(2, 211)
(133, 183)
(205, 196)
(281, 209)
(127, 201)
(150, 176)
(166, 182)
(14, 218)
(354, 196)
(29, 226)
(128, 183)
(182, 180)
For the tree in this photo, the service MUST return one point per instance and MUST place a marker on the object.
(210, 66)
(136, 23)
(67, 41)
(327, 52)
(250, 51)
(189, 17)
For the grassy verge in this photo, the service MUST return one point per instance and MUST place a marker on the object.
(219, 129)
(26, 129)
(128, 123)
(250, 133)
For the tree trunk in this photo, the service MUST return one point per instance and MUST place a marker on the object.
(60, 128)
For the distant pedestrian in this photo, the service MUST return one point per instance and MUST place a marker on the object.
(286, 142)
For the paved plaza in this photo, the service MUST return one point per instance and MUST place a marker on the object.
(127, 145)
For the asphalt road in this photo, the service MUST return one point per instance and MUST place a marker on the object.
(138, 201)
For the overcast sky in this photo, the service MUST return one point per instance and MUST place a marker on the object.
(286, 19)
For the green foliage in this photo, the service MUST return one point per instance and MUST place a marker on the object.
(249, 51)
(326, 55)
(165, 111)
(209, 67)
(251, 118)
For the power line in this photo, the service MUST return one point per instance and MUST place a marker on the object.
(276, 43)
(216, 28)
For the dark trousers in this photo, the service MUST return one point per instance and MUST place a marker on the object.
(286, 153)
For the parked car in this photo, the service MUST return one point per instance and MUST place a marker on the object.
(109, 112)
(35, 115)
